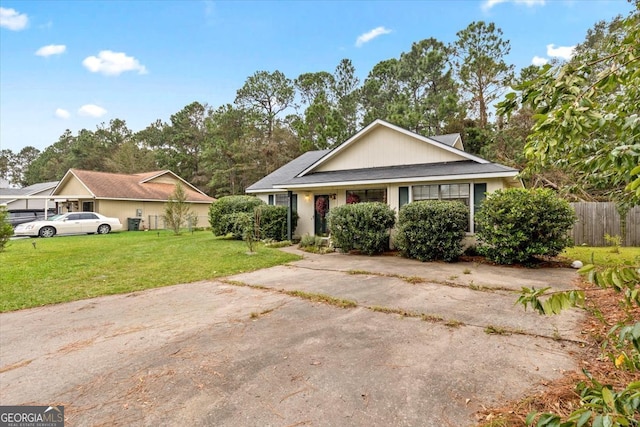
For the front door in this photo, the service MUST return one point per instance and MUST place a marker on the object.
(321, 209)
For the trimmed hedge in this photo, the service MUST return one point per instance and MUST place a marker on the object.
(273, 222)
(221, 225)
(361, 226)
(432, 230)
(235, 214)
(515, 225)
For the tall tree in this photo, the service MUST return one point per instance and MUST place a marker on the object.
(346, 97)
(268, 94)
(6, 157)
(180, 144)
(53, 162)
(480, 62)
(586, 115)
(331, 113)
(427, 87)
(380, 90)
(233, 154)
(315, 127)
(417, 91)
(130, 157)
(13, 166)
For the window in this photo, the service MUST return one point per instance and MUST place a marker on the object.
(373, 195)
(88, 216)
(282, 200)
(449, 192)
(403, 196)
(459, 192)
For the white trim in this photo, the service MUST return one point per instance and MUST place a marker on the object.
(438, 178)
(152, 200)
(51, 197)
(377, 123)
(266, 190)
(61, 197)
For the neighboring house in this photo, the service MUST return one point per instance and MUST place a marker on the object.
(141, 195)
(382, 163)
(22, 200)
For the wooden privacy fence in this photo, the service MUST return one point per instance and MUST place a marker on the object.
(595, 220)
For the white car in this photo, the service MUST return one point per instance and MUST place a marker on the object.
(69, 223)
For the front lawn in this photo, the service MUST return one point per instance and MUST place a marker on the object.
(35, 272)
(603, 256)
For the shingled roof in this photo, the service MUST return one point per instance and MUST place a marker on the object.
(139, 186)
(404, 173)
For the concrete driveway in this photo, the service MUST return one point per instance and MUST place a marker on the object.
(414, 351)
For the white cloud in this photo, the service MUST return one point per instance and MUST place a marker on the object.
(564, 52)
(539, 61)
(92, 110)
(366, 37)
(52, 49)
(12, 20)
(113, 63)
(488, 4)
(62, 113)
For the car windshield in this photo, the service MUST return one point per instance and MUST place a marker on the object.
(54, 217)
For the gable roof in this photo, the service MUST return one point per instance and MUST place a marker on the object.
(464, 169)
(450, 139)
(381, 123)
(302, 171)
(140, 186)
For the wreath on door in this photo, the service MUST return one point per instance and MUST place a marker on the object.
(322, 206)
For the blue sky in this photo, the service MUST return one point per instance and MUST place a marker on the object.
(76, 64)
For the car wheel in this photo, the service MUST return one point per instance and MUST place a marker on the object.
(47, 232)
(104, 229)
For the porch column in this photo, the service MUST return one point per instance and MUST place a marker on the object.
(289, 215)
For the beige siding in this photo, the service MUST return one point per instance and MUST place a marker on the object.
(123, 209)
(165, 179)
(306, 208)
(73, 187)
(386, 147)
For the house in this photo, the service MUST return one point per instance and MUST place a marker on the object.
(31, 197)
(140, 195)
(383, 163)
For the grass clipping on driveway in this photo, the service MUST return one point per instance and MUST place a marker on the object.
(36, 272)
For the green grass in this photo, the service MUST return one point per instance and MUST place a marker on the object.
(603, 256)
(71, 268)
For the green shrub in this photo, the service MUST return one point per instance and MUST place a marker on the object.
(223, 224)
(432, 230)
(308, 240)
(238, 224)
(6, 230)
(273, 222)
(361, 226)
(515, 225)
